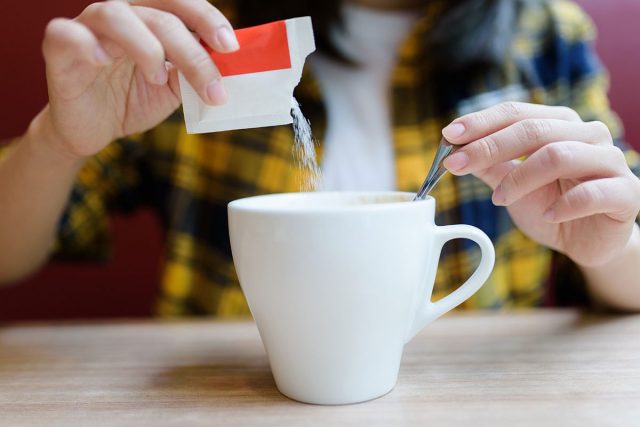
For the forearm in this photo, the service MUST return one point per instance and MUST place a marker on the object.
(35, 182)
(616, 284)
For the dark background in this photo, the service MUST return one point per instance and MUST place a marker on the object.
(127, 284)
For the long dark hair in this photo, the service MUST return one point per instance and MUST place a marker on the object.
(466, 35)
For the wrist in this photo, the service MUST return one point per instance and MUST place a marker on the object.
(42, 143)
(633, 245)
(627, 254)
(614, 285)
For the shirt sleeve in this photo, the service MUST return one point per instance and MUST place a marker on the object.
(110, 181)
(586, 77)
(583, 85)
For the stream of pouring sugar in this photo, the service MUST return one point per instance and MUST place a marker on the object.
(304, 150)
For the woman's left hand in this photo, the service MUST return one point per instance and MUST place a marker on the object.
(574, 192)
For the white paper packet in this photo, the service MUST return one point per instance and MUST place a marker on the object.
(259, 78)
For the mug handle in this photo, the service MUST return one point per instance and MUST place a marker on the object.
(428, 310)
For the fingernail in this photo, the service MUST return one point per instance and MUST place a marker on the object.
(161, 76)
(454, 130)
(216, 92)
(549, 215)
(499, 199)
(227, 39)
(101, 56)
(456, 161)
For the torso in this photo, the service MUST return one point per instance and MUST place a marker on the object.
(358, 146)
(204, 172)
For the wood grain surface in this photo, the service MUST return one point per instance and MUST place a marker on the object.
(531, 368)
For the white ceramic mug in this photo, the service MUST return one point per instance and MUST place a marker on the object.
(338, 282)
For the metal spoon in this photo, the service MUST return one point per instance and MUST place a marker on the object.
(437, 169)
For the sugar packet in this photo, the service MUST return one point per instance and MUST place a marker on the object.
(259, 78)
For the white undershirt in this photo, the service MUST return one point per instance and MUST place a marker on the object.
(358, 146)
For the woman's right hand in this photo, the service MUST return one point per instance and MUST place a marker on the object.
(112, 71)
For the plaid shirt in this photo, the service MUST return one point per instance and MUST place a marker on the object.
(189, 179)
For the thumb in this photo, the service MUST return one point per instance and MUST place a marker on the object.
(494, 175)
(174, 82)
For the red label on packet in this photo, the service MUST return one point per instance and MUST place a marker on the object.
(262, 48)
(259, 79)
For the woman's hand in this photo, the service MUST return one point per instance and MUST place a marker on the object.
(574, 192)
(112, 71)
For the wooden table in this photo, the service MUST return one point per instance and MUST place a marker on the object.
(532, 368)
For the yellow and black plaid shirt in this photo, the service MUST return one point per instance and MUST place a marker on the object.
(189, 179)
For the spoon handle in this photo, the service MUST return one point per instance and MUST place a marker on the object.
(437, 168)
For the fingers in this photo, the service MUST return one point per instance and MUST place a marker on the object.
(116, 21)
(482, 123)
(73, 58)
(561, 160)
(203, 18)
(523, 138)
(149, 36)
(184, 51)
(614, 197)
(174, 82)
(67, 42)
